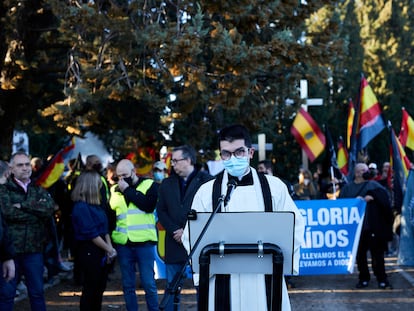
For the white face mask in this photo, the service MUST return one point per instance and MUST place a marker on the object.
(306, 181)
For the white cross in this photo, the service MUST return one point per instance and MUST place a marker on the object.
(262, 146)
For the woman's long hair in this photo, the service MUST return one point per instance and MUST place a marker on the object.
(87, 188)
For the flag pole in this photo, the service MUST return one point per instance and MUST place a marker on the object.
(333, 183)
(304, 95)
(353, 150)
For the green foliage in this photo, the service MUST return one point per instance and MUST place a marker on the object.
(131, 70)
(378, 40)
(223, 63)
(31, 65)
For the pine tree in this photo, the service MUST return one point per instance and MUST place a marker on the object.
(377, 37)
(32, 63)
(136, 67)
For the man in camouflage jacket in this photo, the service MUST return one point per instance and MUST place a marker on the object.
(26, 208)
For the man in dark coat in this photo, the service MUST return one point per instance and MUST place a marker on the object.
(377, 227)
(174, 201)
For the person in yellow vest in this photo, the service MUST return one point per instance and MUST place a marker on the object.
(135, 236)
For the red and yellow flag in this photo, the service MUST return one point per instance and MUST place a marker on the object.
(56, 166)
(308, 134)
(342, 157)
(397, 154)
(407, 130)
(370, 122)
(350, 122)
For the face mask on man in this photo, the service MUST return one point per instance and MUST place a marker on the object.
(306, 181)
(236, 166)
(158, 176)
(368, 175)
(128, 180)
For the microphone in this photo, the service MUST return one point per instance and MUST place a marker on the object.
(231, 185)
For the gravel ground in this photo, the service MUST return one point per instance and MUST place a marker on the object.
(316, 293)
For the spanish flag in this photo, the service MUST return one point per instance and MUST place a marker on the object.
(407, 130)
(342, 157)
(400, 165)
(143, 158)
(56, 166)
(370, 122)
(350, 122)
(308, 134)
(399, 157)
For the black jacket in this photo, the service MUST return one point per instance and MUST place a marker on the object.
(6, 245)
(172, 211)
(378, 213)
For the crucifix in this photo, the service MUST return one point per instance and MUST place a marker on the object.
(308, 102)
(262, 146)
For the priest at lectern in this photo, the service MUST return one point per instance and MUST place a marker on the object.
(245, 190)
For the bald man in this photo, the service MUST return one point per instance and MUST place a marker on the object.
(377, 226)
(135, 236)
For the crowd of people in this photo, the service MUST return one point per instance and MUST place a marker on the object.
(101, 217)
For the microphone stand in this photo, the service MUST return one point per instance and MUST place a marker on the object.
(174, 288)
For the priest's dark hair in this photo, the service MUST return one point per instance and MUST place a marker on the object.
(234, 132)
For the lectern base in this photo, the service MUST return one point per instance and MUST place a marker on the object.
(260, 250)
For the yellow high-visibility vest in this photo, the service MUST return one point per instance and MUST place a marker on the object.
(105, 184)
(132, 223)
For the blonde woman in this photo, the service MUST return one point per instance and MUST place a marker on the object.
(95, 250)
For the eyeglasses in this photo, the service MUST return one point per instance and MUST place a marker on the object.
(175, 161)
(238, 153)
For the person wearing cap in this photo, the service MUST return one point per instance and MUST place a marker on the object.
(372, 166)
(373, 170)
(159, 171)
